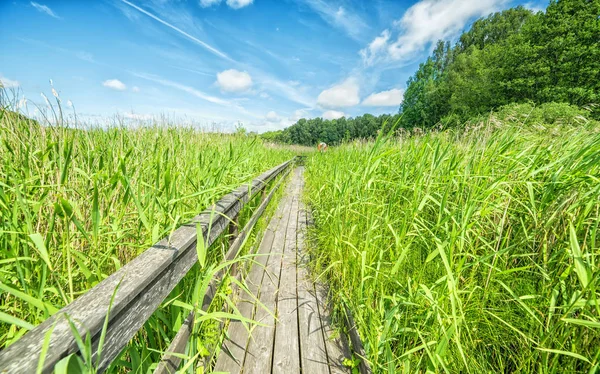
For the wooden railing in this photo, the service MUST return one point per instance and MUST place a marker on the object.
(128, 297)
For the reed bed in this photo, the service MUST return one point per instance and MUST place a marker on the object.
(473, 250)
(77, 204)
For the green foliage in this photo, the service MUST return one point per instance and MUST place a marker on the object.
(75, 205)
(310, 132)
(513, 56)
(472, 250)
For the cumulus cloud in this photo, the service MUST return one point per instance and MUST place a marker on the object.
(341, 95)
(115, 84)
(272, 117)
(234, 81)
(333, 114)
(298, 114)
(392, 97)
(233, 4)
(44, 9)
(425, 23)
(8, 83)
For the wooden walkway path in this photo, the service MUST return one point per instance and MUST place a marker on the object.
(294, 333)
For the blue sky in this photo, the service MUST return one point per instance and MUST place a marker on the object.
(263, 63)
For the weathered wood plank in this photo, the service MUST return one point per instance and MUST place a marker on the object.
(336, 344)
(140, 287)
(259, 353)
(286, 354)
(233, 350)
(312, 340)
(169, 363)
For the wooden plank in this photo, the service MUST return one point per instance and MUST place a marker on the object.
(259, 353)
(233, 350)
(336, 344)
(312, 340)
(286, 353)
(140, 286)
(169, 363)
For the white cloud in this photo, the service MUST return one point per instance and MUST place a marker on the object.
(272, 117)
(340, 17)
(234, 81)
(208, 3)
(342, 95)
(233, 4)
(333, 114)
(535, 7)
(378, 44)
(137, 116)
(298, 114)
(85, 56)
(8, 83)
(425, 23)
(237, 4)
(135, 89)
(192, 38)
(115, 84)
(392, 97)
(44, 9)
(264, 95)
(188, 89)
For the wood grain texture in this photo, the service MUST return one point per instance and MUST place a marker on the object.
(138, 287)
(259, 354)
(233, 350)
(312, 340)
(336, 344)
(286, 353)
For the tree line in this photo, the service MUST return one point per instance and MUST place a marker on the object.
(513, 56)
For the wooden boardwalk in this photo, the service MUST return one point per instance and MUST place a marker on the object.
(293, 333)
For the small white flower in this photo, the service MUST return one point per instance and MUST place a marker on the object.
(51, 83)
(54, 92)
(69, 103)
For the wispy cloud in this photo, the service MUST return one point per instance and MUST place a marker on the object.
(197, 93)
(234, 4)
(44, 9)
(423, 24)
(8, 83)
(188, 89)
(237, 4)
(85, 56)
(190, 37)
(339, 16)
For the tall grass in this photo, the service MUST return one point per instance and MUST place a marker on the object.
(473, 251)
(75, 205)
